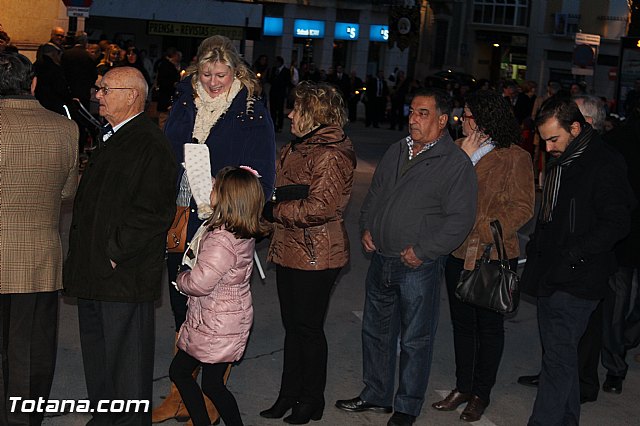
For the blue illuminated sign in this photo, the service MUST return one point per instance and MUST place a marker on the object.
(346, 31)
(272, 26)
(308, 29)
(379, 33)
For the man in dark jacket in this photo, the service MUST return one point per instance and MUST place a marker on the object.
(622, 331)
(122, 211)
(280, 79)
(81, 73)
(421, 205)
(585, 210)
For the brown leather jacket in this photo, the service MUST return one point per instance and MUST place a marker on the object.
(505, 192)
(309, 234)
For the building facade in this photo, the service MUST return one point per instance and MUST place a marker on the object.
(528, 39)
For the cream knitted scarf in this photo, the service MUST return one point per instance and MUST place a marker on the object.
(209, 110)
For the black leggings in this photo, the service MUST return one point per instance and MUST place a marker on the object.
(181, 374)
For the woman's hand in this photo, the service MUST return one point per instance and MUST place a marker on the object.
(471, 143)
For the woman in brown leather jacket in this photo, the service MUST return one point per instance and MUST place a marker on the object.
(506, 193)
(309, 246)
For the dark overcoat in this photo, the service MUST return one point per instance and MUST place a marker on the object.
(123, 208)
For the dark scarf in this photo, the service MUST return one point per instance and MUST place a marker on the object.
(554, 171)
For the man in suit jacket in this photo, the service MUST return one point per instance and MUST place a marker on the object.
(36, 178)
(81, 73)
(123, 209)
(280, 80)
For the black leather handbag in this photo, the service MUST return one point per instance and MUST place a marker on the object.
(290, 192)
(491, 284)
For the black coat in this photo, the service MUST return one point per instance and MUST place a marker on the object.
(124, 206)
(626, 140)
(574, 252)
(80, 72)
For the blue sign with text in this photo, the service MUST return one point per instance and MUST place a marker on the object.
(379, 33)
(308, 29)
(346, 31)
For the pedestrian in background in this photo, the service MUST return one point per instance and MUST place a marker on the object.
(36, 178)
(309, 245)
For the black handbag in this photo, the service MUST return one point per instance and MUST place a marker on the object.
(290, 192)
(491, 284)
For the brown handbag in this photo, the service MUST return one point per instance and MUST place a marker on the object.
(177, 235)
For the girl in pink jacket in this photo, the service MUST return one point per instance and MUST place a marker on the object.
(220, 312)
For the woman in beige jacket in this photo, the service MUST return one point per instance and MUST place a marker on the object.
(505, 193)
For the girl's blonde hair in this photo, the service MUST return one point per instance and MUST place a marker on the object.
(220, 49)
(318, 104)
(239, 203)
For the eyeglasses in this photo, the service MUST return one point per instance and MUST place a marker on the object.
(105, 90)
(464, 117)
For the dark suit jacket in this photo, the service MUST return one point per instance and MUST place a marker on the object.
(80, 72)
(280, 81)
(122, 211)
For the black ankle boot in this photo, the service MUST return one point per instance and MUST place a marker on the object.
(303, 412)
(279, 409)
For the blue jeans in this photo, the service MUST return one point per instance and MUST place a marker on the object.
(562, 319)
(400, 301)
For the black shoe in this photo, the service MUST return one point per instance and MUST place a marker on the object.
(303, 412)
(532, 381)
(401, 419)
(584, 398)
(613, 384)
(279, 409)
(356, 405)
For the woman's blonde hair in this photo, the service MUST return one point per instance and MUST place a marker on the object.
(318, 104)
(220, 49)
(239, 203)
(107, 54)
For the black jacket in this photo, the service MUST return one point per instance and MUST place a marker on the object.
(626, 139)
(123, 208)
(574, 252)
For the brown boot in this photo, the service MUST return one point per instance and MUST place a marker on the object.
(212, 411)
(172, 407)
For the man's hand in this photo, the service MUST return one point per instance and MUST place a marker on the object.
(113, 264)
(367, 242)
(409, 258)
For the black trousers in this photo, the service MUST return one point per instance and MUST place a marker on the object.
(181, 373)
(616, 322)
(178, 301)
(276, 107)
(28, 330)
(589, 349)
(478, 338)
(117, 342)
(304, 299)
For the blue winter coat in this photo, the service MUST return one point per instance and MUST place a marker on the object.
(244, 135)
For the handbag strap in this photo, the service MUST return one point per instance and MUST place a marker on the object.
(496, 230)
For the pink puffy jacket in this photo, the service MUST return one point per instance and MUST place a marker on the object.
(220, 312)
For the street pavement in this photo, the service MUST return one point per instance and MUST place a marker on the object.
(255, 380)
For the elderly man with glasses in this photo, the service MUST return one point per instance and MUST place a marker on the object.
(124, 206)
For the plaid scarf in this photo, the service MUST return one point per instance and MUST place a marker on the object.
(554, 171)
